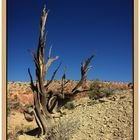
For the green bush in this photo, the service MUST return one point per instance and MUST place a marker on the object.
(94, 89)
(98, 90)
(107, 90)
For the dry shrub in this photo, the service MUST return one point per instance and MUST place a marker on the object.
(13, 105)
(69, 105)
(13, 135)
(99, 90)
(63, 131)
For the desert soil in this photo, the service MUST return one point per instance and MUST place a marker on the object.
(108, 118)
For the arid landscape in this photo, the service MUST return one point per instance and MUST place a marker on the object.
(105, 112)
(69, 109)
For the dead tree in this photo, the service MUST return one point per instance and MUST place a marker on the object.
(45, 101)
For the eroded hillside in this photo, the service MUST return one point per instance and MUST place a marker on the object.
(105, 118)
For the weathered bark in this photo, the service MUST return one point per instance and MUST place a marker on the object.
(57, 97)
(45, 101)
(84, 70)
(42, 115)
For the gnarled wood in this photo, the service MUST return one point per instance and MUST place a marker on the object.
(42, 115)
(84, 70)
(45, 101)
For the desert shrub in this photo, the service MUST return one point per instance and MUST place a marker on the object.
(64, 130)
(12, 136)
(13, 105)
(98, 90)
(92, 95)
(107, 90)
(94, 89)
(69, 105)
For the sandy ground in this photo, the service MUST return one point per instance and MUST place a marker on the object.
(104, 119)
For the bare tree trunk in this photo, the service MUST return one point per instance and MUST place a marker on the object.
(42, 116)
(46, 101)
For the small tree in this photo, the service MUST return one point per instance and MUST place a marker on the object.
(46, 101)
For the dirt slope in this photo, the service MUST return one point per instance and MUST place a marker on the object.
(104, 119)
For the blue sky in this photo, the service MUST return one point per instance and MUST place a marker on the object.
(76, 28)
